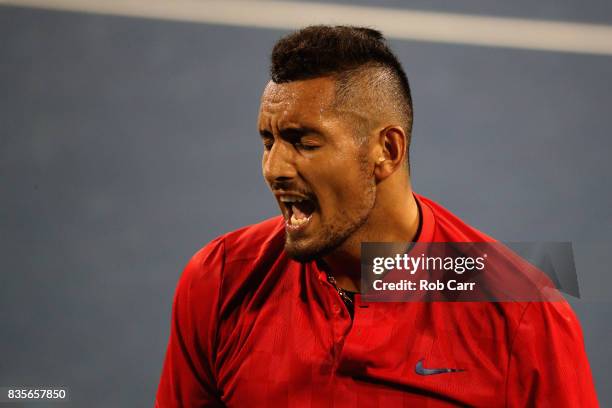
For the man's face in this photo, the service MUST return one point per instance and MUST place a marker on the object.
(316, 168)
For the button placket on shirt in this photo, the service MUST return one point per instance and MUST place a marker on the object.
(339, 313)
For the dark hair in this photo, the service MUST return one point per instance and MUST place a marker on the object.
(321, 50)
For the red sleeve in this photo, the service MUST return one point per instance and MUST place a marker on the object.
(548, 364)
(188, 374)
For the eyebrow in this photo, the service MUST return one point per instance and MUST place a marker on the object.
(291, 132)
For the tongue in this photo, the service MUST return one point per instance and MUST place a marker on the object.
(303, 209)
(298, 213)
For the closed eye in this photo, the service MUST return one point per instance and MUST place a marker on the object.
(267, 139)
(300, 138)
(267, 143)
(306, 147)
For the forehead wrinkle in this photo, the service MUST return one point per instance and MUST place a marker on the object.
(280, 121)
(300, 104)
(314, 91)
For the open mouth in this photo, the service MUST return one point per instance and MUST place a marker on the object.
(298, 211)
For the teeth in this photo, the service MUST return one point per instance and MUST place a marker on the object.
(289, 199)
(297, 222)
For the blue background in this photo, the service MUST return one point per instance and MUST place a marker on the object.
(127, 144)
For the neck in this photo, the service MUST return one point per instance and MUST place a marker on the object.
(395, 221)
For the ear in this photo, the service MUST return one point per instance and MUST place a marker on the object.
(391, 151)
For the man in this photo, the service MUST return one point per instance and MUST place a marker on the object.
(268, 315)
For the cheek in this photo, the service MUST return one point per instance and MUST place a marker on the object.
(338, 179)
(342, 190)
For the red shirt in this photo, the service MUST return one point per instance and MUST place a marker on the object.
(251, 327)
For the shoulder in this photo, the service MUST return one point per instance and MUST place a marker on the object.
(250, 242)
(209, 264)
(448, 227)
(550, 319)
(548, 362)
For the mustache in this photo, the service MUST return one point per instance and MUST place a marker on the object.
(286, 185)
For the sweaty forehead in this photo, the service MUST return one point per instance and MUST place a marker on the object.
(298, 100)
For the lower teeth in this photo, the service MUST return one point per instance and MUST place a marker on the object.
(297, 222)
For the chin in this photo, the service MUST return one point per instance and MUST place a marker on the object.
(302, 255)
(303, 252)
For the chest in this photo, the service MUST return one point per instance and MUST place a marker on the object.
(299, 347)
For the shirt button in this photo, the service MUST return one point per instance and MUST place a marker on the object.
(336, 309)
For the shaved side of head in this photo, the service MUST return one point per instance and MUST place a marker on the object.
(372, 94)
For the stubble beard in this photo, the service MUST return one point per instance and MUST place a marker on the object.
(333, 235)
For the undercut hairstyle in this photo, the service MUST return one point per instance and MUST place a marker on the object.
(371, 84)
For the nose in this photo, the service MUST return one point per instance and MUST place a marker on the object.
(278, 163)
